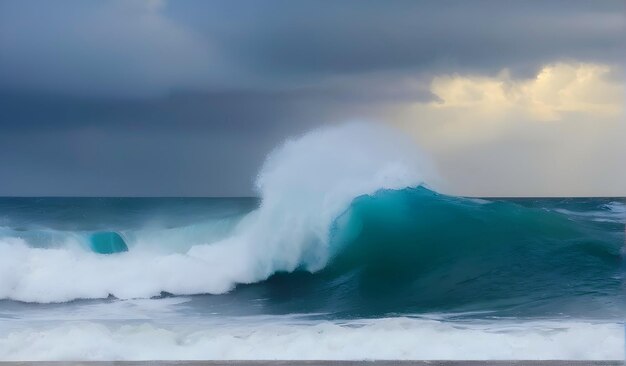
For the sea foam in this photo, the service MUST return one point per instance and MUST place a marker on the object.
(387, 338)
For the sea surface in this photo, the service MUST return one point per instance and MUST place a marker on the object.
(336, 259)
(415, 274)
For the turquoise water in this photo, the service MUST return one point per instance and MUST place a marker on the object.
(403, 274)
(397, 252)
(336, 259)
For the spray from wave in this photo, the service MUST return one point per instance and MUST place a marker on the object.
(304, 186)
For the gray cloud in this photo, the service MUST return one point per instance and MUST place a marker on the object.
(180, 145)
(186, 97)
(141, 48)
(297, 38)
(99, 48)
(100, 162)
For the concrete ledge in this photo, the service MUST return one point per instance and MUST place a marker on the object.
(316, 363)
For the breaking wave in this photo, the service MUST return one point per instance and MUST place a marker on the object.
(348, 210)
(304, 185)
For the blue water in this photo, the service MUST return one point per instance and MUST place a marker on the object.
(346, 254)
(88, 277)
(397, 252)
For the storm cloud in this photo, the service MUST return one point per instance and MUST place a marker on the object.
(187, 97)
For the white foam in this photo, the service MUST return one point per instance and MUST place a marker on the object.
(614, 213)
(116, 310)
(391, 338)
(480, 201)
(304, 185)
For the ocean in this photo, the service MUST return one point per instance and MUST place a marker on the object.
(332, 261)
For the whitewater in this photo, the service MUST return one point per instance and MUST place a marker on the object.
(350, 251)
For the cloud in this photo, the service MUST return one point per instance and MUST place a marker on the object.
(150, 76)
(557, 90)
(116, 47)
(146, 48)
(559, 133)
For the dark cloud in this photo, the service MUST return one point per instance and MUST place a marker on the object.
(148, 47)
(186, 97)
(88, 161)
(180, 145)
(301, 38)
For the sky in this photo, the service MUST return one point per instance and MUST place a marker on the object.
(186, 98)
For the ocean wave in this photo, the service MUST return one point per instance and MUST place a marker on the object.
(347, 203)
(304, 185)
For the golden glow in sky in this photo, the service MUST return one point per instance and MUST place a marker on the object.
(562, 132)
